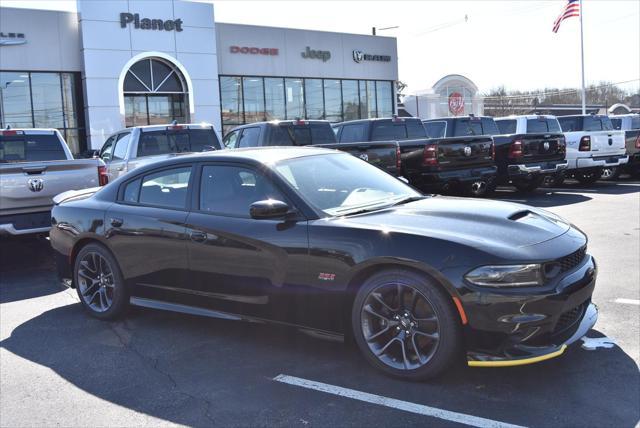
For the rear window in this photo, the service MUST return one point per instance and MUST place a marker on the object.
(617, 123)
(354, 133)
(635, 122)
(597, 123)
(27, 148)
(384, 130)
(570, 124)
(507, 126)
(436, 129)
(302, 135)
(541, 125)
(186, 140)
(465, 127)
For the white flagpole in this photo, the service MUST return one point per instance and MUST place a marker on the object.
(584, 97)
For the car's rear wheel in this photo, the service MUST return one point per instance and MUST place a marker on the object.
(611, 173)
(99, 282)
(480, 188)
(528, 184)
(405, 325)
(587, 178)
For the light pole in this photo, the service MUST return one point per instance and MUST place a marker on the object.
(374, 29)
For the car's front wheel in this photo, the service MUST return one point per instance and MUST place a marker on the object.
(405, 325)
(99, 282)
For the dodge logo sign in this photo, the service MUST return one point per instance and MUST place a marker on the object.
(358, 56)
(467, 151)
(35, 184)
(456, 103)
(546, 145)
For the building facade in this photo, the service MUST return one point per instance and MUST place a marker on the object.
(452, 95)
(121, 63)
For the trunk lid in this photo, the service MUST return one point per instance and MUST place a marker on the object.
(459, 152)
(607, 142)
(542, 146)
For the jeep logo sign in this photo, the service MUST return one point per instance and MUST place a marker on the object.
(149, 24)
(313, 54)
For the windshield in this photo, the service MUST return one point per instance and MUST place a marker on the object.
(340, 184)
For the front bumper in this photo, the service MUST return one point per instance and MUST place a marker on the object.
(516, 328)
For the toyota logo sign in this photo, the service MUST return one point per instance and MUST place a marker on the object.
(35, 184)
(456, 103)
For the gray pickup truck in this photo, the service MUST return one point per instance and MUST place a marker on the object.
(133, 147)
(35, 166)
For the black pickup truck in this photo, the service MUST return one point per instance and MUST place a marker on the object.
(318, 133)
(530, 151)
(456, 155)
(630, 124)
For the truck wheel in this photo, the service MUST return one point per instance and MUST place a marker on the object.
(405, 325)
(587, 178)
(99, 282)
(480, 188)
(611, 173)
(528, 185)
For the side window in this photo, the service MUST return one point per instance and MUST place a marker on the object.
(353, 133)
(166, 188)
(231, 139)
(249, 137)
(230, 190)
(436, 129)
(132, 191)
(120, 152)
(107, 148)
(153, 143)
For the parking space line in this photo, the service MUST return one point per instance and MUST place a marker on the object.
(627, 301)
(393, 403)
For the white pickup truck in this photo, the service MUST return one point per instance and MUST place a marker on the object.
(35, 166)
(592, 145)
(133, 147)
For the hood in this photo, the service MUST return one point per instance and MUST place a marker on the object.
(475, 222)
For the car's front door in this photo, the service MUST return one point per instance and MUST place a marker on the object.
(239, 264)
(146, 230)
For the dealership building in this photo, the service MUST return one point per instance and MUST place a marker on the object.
(121, 63)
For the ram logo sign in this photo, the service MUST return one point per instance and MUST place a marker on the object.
(35, 184)
(358, 56)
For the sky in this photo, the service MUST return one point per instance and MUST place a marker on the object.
(494, 43)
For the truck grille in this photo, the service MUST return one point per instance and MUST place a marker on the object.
(569, 262)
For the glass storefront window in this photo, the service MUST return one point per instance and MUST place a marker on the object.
(47, 100)
(274, 98)
(231, 99)
(294, 98)
(68, 98)
(15, 100)
(364, 103)
(314, 99)
(350, 100)
(384, 97)
(371, 98)
(332, 100)
(253, 92)
(159, 109)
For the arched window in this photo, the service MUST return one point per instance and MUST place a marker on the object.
(154, 93)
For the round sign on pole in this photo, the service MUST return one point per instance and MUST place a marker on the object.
(456, 103)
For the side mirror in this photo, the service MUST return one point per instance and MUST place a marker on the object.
(269, 208)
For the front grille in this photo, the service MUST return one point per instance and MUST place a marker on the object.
(569, 262)
(569, 318)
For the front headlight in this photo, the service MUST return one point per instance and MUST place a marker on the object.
(506, 276)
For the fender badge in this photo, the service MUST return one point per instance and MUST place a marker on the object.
(326, 276)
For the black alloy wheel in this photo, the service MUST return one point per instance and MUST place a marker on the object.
(405, 325)
(99, 282)
(587, 178)
(480, 188)
(528, 184)
(611, 173)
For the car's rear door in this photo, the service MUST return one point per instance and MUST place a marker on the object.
(239, 264)
(146, 230)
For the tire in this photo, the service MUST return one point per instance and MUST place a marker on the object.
(480, 189)
(388, 331)
(99, 282)
(556, 181)
(611, 173)
(587, 178)
(528, 185)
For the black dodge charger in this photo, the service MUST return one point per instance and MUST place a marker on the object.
(325, 242)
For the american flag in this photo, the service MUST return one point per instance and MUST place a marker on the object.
(572, 8)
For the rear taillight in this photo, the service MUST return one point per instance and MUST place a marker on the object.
(515, 150)
(562, 146)
(430, 155)
(103, 177)
(638, 141)
(398, 159)
(585, 144)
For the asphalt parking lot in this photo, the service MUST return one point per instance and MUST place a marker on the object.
(60, 367)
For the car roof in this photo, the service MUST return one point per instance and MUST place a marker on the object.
(44, 131)
(526, 116)
(377, 119)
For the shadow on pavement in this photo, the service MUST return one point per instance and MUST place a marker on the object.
(19, 255)
(196, 371)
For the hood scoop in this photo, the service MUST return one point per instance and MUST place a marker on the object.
(520, 214)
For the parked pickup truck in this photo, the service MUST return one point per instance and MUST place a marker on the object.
(318, 133)
(592, 145)
(36, 165)
(530, 151)
(133, 147)
(458, 154)
(630, 124)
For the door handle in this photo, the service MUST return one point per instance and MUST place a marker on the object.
(198, 236)
(116, 222)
